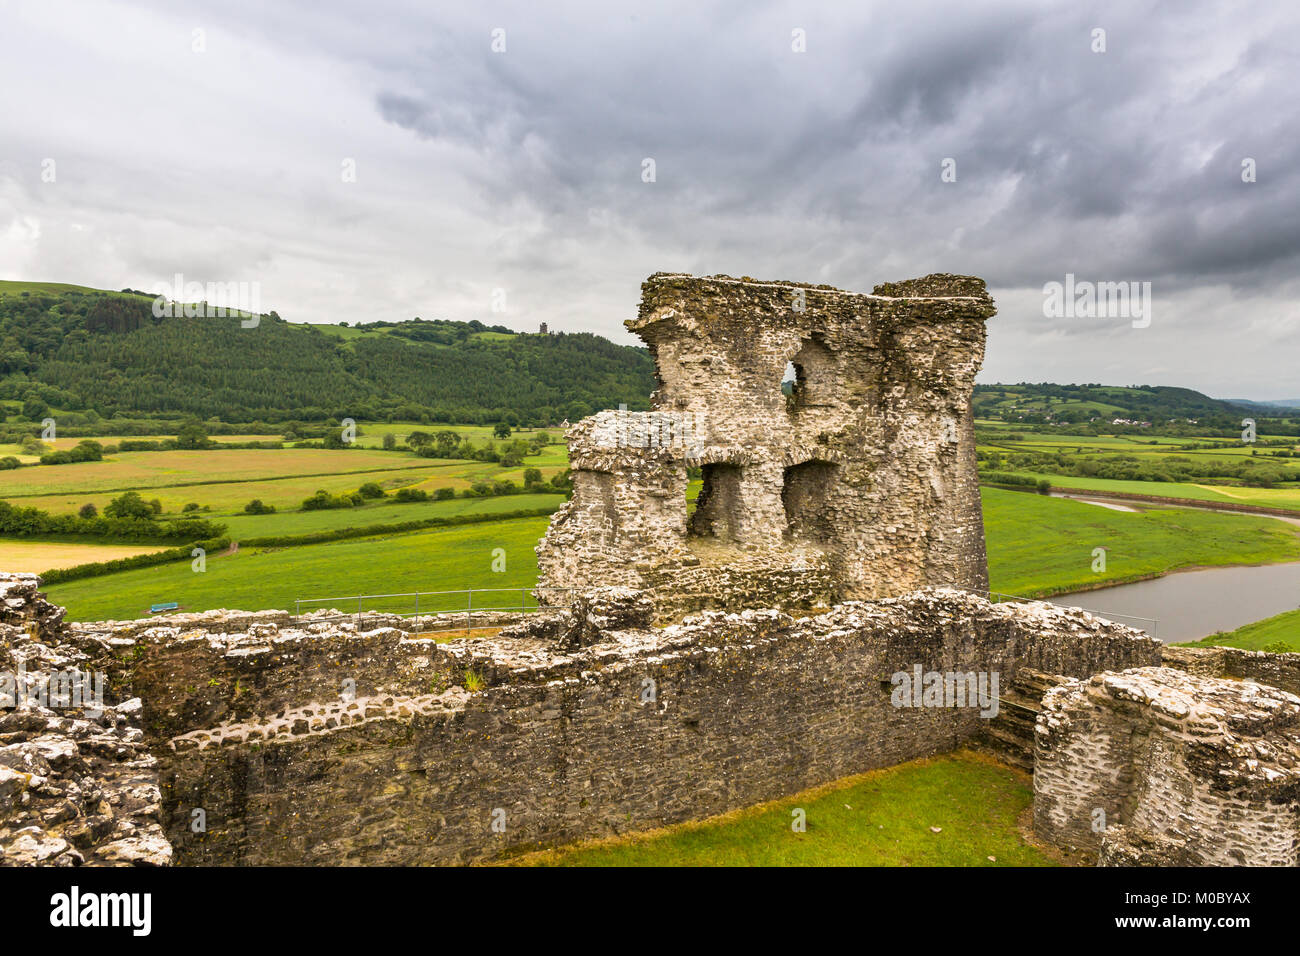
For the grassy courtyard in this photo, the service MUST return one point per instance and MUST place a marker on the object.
(882, 818)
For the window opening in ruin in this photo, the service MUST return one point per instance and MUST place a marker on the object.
(718, 508)
(811, 374)
(805, 493)
(694, 480)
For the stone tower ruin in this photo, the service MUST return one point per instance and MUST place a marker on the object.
(859, 483)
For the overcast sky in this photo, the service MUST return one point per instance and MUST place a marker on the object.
(216, 140)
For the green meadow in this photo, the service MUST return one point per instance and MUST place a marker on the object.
(384, 511)
(882, 818)
(1037, 546)
(1269, 634)
(256, 578)
(1281, 497)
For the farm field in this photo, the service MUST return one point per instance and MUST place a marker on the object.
(381, 512)
(256, 578)
(229, 497)
(1282, 628)
(1089, 447)
(159, 469)
(1037, 546)
(297, 478)
(1110, 443)
(371, 434)
(36, 556)
(881, 818)
(1283, 497)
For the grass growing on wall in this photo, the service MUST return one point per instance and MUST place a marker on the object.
(881, 818)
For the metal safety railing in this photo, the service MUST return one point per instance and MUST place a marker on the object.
(431, 612)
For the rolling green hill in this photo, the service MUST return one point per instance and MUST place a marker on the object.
(1161, 407)
(72, 349)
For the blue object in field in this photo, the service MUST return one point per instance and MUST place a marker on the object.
(170, 606)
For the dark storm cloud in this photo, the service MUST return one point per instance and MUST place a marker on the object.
(522, 169)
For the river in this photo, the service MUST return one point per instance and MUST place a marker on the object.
(1189, 605)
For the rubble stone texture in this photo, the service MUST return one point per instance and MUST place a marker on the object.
(314, 741)
(78, 784)
(1183, 770)
(1277, 670)
(861, 484)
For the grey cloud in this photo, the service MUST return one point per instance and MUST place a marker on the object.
(523, 169)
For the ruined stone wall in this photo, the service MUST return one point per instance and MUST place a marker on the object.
(78, 784)
(1276, 670)
(1161, 767)
(554, 728)
(870, 461)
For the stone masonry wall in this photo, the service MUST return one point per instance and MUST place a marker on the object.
(1276, 670)
(870, 461)
(1156, 766)
(78, 784)
(550, 723)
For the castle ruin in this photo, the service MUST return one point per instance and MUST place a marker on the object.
(858, 483)
(836, 541)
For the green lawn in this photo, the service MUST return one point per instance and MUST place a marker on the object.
(259, 578)
(882, 818)
(1039, 546)
(1281, 628)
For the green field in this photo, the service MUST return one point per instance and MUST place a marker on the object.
(14, 287)
(1039, 546)
(1283, 497)
(36, 557)
(161, 469)
(1282, 628)
(371, 434)
(257, 578)
(882, 818)
(381, 512)
(279, 477)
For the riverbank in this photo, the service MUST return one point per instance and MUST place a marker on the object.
(1044, 547)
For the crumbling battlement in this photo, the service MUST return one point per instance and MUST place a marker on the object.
(325, 740)
(587, 722)
(1156, 766)
(196, 670)
(1277, 670)
(859, 484)
(77, 782)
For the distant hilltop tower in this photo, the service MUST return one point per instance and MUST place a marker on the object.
(542, 329)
